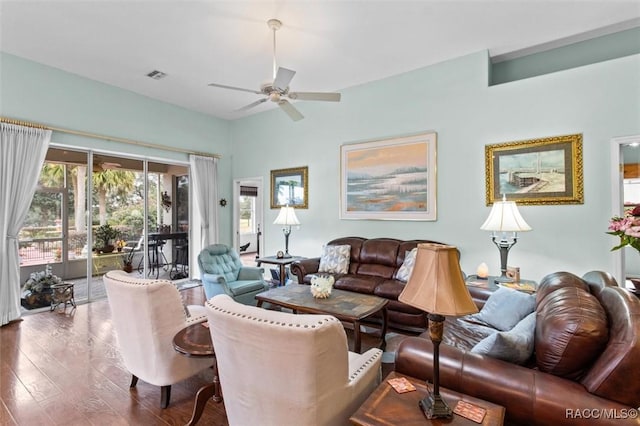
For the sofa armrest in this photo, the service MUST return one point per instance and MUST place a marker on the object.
(250, 273)
(301, 268)
(529, 396)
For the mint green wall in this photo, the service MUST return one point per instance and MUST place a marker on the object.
(34, 92)
(601, 101)
(604, 48)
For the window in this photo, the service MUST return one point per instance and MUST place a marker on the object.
(247, 203)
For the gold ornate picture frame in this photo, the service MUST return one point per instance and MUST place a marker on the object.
(290, 187)
(536, 171)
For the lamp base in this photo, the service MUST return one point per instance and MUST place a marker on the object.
(503, 279)
(434, 407)
(286, 256)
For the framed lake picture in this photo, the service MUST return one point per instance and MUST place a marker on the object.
(389, 179)
(536, 171)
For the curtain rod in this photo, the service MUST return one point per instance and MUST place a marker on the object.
(106, 138)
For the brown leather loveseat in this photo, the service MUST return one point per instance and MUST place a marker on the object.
(372, 267)
(586, 363)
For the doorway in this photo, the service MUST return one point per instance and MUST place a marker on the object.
(248, 214)
(625, 185)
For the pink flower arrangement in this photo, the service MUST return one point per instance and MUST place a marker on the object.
(627, 228)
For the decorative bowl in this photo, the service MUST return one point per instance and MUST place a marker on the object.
(321, 286)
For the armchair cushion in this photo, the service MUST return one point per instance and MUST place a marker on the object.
(240, 287)
(250, 273)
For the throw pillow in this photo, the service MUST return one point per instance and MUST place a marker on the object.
(335, 259)
(515, 345)
(405, 270)
(505, 308)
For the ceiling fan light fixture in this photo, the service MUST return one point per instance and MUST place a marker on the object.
(274, 97)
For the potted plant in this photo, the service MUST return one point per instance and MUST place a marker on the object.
(105, 236)
(37, 289)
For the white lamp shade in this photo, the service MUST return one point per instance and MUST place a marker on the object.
(505, 217)
(287, 216)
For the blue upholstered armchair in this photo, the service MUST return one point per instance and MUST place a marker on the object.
(223, 273)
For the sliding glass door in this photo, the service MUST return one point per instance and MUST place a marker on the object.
(123, 216)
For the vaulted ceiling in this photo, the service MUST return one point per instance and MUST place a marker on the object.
(332, 45)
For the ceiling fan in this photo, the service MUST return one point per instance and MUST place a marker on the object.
(278, 90)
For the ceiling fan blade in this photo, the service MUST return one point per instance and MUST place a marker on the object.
(290, 110)
(283, 78)
(257, 92)
(252, 104)
(315, 96)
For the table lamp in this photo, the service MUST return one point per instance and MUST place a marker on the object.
(436, 286)
(503, 218)
(286, 217)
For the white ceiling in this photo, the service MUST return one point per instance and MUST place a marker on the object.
(332, 45)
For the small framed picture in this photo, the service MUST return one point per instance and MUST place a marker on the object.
(290, 187)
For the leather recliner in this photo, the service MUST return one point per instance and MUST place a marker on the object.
(579, 371)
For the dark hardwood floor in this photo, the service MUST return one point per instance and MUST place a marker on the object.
(64, 368)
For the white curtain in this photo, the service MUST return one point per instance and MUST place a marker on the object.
(22, 153)
(204, 171)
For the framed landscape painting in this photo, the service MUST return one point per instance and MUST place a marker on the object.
(389, 179)
(536, 171)
(290, 187)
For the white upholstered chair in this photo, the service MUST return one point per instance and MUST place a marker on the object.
(146, 314)
(278, 368)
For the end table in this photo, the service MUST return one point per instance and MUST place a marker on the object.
(282, 262)
(386, 407)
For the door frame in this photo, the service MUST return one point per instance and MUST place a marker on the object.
(258, 182)
(617, 201)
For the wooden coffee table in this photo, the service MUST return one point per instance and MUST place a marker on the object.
(386, 407)
(195, 341)
(347, 306)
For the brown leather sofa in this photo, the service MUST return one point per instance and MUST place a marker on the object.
(372, 267)
(579, 374)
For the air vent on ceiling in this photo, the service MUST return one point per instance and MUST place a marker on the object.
(156, 75)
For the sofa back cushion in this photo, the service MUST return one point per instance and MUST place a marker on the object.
(378, 257)
(572, 329)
